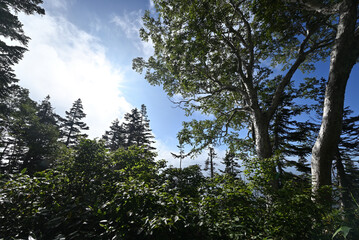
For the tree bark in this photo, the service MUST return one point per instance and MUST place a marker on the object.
(343, 58)
(343, 182)
(262, 139)
(263, 143)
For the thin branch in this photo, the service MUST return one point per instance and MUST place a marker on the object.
(286, 79)
(313, 5)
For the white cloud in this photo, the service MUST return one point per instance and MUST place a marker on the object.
(68, 64)
(57, 4)
(130, 24)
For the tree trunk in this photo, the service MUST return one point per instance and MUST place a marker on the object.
(262, 139)
(263, 143)
(343, 182)
(343, 58)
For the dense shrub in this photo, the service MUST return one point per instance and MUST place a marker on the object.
(93, 194)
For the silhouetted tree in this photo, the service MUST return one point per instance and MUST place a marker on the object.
(115, 137)
(72, 125)
(11, 28)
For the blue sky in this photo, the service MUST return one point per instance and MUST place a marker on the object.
(84, 49)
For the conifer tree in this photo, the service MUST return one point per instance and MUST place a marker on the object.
(29, 137)
(146, 131)
(11, 28)
(231, 164)
(72, 125)
(42, 138)
(46, 113)
(137, 128)
(16, 123)
(115, 137)
(209, 163)
(181, 155)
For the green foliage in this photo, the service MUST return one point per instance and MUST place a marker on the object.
(11, 28)
(135, 162)
(93, 194)
(29, 133)
(185, 181)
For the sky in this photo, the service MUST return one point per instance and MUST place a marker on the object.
(84, 49)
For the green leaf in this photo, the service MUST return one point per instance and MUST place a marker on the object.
(344, 229)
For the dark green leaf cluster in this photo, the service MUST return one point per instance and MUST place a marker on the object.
(29, 133)
(95, 194)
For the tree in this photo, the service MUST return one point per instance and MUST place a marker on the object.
(346, 153)
(147, 131)
(342, 16)
(42, 138)
(181, 155)
(209, 163)
(213, 54)
(72, 125)
(137, 128)
(11, 28)
(344, 55)
(231, 164)
(16, 123)
(46, 113)
(29, 133)
(115, 137)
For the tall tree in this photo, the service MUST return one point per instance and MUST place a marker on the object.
(42, 138)
(343, 19)
(209, 163)
(11, 28)
(344, 55)
(213, 54)
(231, 164)
(116, 136)
(72, 125)
(29, 137)
(181, 155)
(147, 131)
(137, 128)
(16, 123)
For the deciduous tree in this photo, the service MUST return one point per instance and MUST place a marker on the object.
(218, 57)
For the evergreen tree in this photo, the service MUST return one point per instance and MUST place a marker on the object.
(29, 136)
(72, 125)
(19, 119)
(11, 28)
(345, 158)
(148, 137)
(46, 113)
(180, 155)
(137, 129)
(115, 137)
(42, 138)
(209, 163)
(231, 164)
